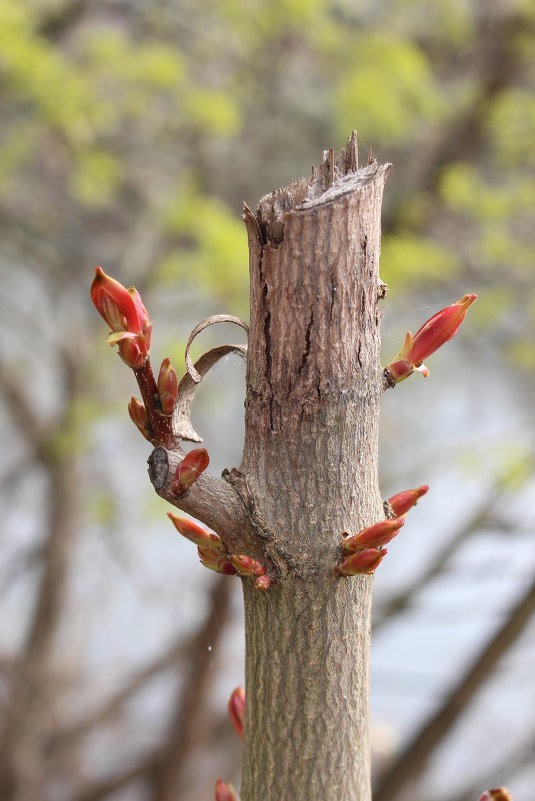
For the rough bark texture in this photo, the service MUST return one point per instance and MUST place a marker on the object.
(310, 467)
(309, 473)
(307, 643)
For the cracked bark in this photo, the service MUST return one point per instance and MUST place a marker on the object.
(310, 460)
(309, 472)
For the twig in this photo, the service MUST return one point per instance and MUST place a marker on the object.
(161, 424)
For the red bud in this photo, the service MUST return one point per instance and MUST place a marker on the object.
(247, 566)
(213, 560)
(236, 709)
(138, 415)
(125, 314)
(498, 794)
(196, 533)
(365, 561)
(262, 583)
(403, 501)
(434, 333)
(129, 350)
(225, 792)
(373, 536)
(190, 468)
(167, 387)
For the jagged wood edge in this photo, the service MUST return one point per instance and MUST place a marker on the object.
(182, 426)
(213, 320)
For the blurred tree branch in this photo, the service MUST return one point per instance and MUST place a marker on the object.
(513, 763)
(20, 761)
(414, 755)
(162, 768)
(188, 728)
(500, 62)
(33, 430)
(71, 735)
(59, 21)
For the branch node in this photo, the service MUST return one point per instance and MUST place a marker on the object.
(158, 467)
(389, 512)
(382, 289)
(388, 380)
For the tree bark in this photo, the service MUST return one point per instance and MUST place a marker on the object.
(310, 472)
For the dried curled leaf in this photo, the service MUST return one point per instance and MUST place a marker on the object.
(182, 426)
(186, 389)
(213, 320)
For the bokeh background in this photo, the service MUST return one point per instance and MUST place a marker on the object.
(131, 131)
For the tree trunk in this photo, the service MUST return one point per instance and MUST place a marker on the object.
(309, 473)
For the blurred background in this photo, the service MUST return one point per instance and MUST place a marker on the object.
(131, 131)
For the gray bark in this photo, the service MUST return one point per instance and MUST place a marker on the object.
(313, 388)
(309, 472)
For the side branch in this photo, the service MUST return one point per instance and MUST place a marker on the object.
(161, 425)
(211, 500)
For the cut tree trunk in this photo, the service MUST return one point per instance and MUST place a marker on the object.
(309, 473)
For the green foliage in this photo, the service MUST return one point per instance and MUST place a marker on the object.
(129, 73)
(96, 178)
(210, 110)
(521, 354)
(387, 90)
(516, 465)
(258, 21)
(494, 305)
(101, 507)
(512, 129)
(16, 148)
(499, 212)
(72, 436)
(407, 260)
(211, 245)
(35, 73)
(444, 22)
(464, 189)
